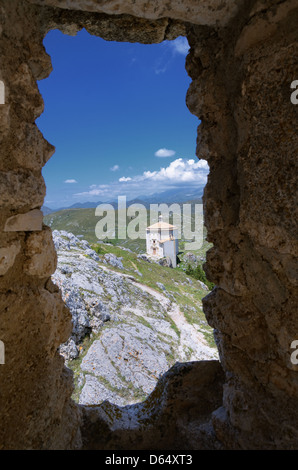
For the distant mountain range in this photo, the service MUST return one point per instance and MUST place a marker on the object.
(174, 196)
(167, 197)
(46, 210)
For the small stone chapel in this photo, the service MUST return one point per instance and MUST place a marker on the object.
(162, 241)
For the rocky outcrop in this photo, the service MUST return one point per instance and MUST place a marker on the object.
(202, 12)
(242, 63)
(122, 336)
(170, 418)
(247, 136)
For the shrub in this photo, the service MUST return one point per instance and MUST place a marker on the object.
(199, 273)
(97, 249)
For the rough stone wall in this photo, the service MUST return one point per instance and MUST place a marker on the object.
(35, 386)
(195, 11)
(248, 137)
(175, 416)
(242, 62)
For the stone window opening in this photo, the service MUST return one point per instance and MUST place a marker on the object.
(91, 319)
(242, 65)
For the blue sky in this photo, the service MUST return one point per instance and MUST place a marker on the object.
(117, 116)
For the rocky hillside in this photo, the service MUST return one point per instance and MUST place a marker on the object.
(132, 320)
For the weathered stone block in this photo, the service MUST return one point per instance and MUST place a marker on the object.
(31, 149)
(4, 120)
(21, 188)
(7, 256)
(41, 254)
(199, 12)
(29, 222)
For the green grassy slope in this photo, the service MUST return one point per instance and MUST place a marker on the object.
(184, 290)
(82, 223)
(178, 286)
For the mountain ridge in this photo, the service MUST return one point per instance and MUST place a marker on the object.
(170, 196)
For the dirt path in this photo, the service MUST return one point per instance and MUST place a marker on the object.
(193, 344)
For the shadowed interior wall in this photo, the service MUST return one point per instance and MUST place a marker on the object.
(242, 60)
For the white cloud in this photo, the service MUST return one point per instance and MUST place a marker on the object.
(180, 173)
(70, 181)
(124, 179)
(115, 168)
(180, 45)
(99, 191)
(164, 153)
(163, 69)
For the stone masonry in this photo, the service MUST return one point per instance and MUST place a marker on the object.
(242, 61)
